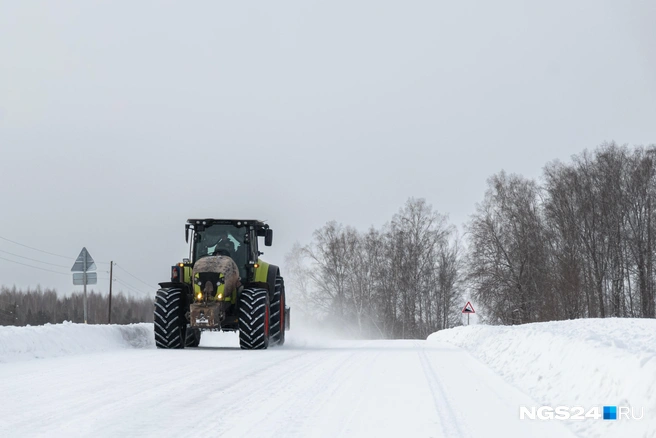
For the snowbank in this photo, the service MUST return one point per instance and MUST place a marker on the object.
(53, 340)
(587, 362)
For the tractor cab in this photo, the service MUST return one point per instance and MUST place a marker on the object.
(236, 239)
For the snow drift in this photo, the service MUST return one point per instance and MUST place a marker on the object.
(586, 362)
(54, 340)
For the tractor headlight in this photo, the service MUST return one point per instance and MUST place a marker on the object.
(199, 295)
(220, 296)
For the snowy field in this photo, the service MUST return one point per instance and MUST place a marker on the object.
(585, 362)
(109, 381)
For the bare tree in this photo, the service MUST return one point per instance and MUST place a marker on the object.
(397, 282)
(508, 251)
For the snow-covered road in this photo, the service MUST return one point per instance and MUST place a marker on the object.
(305, 389)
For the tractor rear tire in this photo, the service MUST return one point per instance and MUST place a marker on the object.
(169, 320)
(278, 313)
(254, 319)
(193, 337)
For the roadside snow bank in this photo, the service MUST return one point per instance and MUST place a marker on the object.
(586, 362)
(53, 340)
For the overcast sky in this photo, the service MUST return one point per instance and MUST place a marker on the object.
(119, 120)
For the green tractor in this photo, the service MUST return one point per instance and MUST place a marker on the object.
(223, 285)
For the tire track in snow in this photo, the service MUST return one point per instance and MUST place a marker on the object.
(272, 395)
(317, 389)
(361, 396)
(165, 389)
(249, 392)
(449, 422)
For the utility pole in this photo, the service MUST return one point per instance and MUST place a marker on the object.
(111, 266)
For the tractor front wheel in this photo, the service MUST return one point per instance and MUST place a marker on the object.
(169, 323)
(193, 337)
(254, 319)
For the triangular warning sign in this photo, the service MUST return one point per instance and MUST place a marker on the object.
(468, 308)
(84, 262)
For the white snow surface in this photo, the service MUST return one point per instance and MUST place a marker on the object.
(73, 380)
(109, 381)
(54, 340)
(586, 362)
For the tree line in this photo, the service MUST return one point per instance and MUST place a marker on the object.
(581, 244)
(400, 281)
(38, 307)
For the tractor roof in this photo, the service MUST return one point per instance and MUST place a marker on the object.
(236, 222)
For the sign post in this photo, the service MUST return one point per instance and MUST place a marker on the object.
(468, 309)
(111, 269)
(84, 263)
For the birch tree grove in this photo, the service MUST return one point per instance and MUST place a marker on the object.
(398, 282)
(581, 245)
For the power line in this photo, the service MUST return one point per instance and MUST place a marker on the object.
(128, 285)
(36, 249)
(45, 252)
(34, 260)
(119, 279)
(132, 275)
(130, 288)
(35, 267)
